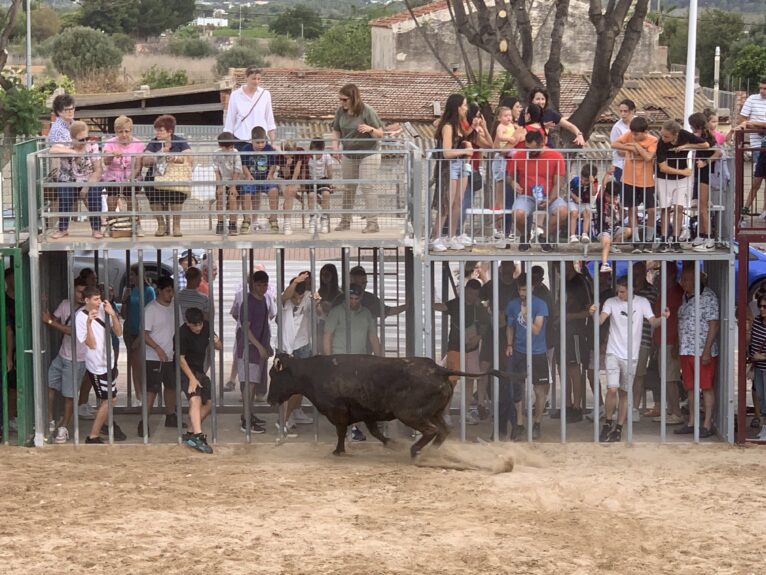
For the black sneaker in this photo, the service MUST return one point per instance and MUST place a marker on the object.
(664, 248)
(615, 435)
(171, 420)
(254, 427)
(233, 231)
(257, 420)
(140, 429)
(357, 434)
(219, 228)
(604, 435)
(706, 432)
(676, 247)
(119, 435)
(197, 441)
(536, 431)
(523, 247)
(546, 248)
(94, 440)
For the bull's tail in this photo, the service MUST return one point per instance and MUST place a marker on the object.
(495, 372)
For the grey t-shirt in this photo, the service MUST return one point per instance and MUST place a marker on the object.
(347, 125)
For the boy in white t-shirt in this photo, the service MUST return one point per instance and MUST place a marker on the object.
(619, 375)
(159, 332)
(90, 328)
(228, 166)
(296, 340)
(320, 168)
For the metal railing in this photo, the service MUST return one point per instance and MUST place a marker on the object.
(568, 199)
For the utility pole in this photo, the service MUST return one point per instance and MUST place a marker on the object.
(29, 45)
(691, 62)
(716, 76)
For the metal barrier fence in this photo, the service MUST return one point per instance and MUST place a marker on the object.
(221, 193)
(564, 199)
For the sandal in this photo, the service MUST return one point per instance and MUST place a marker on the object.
(755, 423)
(654, 412)
(57, 235)
(97, 235)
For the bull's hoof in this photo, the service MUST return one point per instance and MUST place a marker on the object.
(339, 452)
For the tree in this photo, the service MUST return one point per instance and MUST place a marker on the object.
(505, 32)
(80, 50)
(284, 46)
(715, 28)
(191, 48)
(45, 23)
(135, 17)
(238, 57)
(124, 43)
(749, 66)
(298, 22)
(347, 45)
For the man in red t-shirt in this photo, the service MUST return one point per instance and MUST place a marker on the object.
(538, 175)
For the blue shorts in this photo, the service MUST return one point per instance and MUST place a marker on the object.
(528, 204)
(63, 379)
(459, 169)
(760, 164)
(252, 189)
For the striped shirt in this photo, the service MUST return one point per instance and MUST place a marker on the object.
(757, 341)
(754, 109)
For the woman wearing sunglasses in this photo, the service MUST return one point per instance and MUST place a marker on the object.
(81, 166)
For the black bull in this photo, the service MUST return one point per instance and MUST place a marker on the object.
(347, 389)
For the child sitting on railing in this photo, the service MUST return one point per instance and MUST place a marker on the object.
(228, 166)
(581, 189)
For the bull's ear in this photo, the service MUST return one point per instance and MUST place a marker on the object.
(278, 365)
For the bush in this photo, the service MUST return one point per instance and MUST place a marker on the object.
(238, 57)
(191, 48)
(124, 43)
(283, 46)
(80, 50)
(156, 77)
(347, 45)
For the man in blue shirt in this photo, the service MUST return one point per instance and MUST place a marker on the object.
(260, 163)
(518, 319)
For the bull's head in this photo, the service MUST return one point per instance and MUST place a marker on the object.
(282, 383)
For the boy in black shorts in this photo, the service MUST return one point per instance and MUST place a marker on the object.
(195, 338)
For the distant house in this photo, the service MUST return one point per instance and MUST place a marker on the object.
(398, 44)
(209, 22)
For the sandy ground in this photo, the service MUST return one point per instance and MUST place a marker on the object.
(296, 509)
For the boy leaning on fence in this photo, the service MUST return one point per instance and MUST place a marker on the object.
(228, 166)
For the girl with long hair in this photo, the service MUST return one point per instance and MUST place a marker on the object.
(703, 165)
(551, 117)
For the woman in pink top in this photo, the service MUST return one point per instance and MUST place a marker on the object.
(122, 163)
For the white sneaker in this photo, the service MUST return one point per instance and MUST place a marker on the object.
(85, 411)
(762, 434)
(287, 229)
(313, 225)
(573, 239)
(636, 415)
(685, 235)
(585, 239)
(498, 235)
(706, 246)
(698, 241)
(324, 225)
(455, 244)
(62, 435)
(438, 245)
(300, 417)
(465, 239)
(51, 427)
(763, 215)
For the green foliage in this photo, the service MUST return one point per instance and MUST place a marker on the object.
(283, 46)
(124, 43)
(22, 108)
(749, 65)
(191, 48)
(137, 17)
(482, 91)
(346, 45)
(188, 31)
(156, 77)
(45, 23)
(238, 57)
(249, 32)
(289, 23)
(78, 51)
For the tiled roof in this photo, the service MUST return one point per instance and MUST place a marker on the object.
(658, 98)
(396, 95)
(404, 15)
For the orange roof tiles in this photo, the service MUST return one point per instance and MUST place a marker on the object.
(401, 95)
(404, 15)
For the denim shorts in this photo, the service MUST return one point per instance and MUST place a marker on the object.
(459, 169)
(528, 204)
(62, 379)
(580, 208)
(498, 168)
(252, 189)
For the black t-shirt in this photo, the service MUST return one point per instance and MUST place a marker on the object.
(476, 322)
(505, 293)
(578, 300)
(675, 159)
(194, 346)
